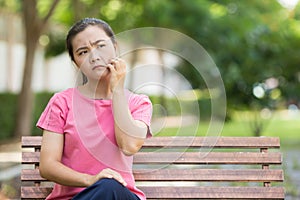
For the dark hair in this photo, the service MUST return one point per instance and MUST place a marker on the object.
(83, 24)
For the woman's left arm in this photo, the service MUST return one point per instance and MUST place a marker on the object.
(130, 133)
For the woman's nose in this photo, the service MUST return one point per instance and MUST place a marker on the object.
(94, 56)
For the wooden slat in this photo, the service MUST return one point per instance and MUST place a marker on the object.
(210, 158)
(197, 142)
(188, 158)
(31, 141)
(31, 175)
(187, 192)
(254, 175)
(30, 157)
(216, 142)
(35, 192)
(195, 192)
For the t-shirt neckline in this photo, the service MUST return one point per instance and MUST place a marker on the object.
(91, 99)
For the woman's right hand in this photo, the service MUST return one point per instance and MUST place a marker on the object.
(52, 169)
(107, 173)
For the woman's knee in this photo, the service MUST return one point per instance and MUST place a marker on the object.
(109, 184)
(115, 190)
(106, 189)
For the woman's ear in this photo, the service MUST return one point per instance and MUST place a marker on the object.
(116, 46)
(74, 63)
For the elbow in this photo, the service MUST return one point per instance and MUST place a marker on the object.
(130, 149)
(128, 152)
(45, 171)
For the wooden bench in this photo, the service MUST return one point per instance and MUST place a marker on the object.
(187, 168)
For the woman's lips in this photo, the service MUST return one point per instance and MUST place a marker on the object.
(98, 66)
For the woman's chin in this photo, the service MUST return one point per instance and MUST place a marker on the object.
(101, 74)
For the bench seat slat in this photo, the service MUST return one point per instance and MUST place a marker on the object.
(188, 158)
(216, 142)
(31, 141)
(31, 175)
(32, 192)
(190, 141)
(197, 192)
(185, 192)
(210, 158)
(255, 175)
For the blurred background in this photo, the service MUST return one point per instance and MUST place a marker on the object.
(255, 45)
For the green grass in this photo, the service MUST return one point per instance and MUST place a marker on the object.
(288, 130)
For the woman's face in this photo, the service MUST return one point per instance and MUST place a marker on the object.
(93, 50)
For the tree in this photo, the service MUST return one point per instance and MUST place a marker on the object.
(250, 41)
(34, 27)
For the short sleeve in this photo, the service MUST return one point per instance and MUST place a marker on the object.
(53, 118)
(141, 109)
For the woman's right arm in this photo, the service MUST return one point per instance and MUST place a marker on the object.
(52, 169)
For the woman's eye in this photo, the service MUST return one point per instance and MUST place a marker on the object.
(82, 53)
(101, 45)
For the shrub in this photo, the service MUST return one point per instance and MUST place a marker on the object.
(8, 112)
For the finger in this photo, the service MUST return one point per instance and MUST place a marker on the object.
(104, 174)
(119, 63)
(111, 67)
(118, 177)
(116, 63)
(109, 173)
(122, 181)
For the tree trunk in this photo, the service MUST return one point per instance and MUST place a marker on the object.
(33, 28)
(26, 98)
(9, 55)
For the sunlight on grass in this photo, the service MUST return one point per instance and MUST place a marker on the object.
(287, 129)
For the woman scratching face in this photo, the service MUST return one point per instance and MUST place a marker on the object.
(91, 131)
(94, 53)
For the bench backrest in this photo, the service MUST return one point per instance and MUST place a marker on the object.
(187, 168)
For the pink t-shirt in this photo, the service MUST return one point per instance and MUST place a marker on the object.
(89, 139)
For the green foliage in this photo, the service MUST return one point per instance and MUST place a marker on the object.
(166, 106)
(9, 5)
(41, 100)
(162, 107)
(250, 41)
(8, 112)
(56, 45)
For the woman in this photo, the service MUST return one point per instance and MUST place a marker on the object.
(90, 132)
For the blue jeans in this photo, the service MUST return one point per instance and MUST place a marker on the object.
(106, 189)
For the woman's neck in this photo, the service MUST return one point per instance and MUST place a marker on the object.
(99, 90)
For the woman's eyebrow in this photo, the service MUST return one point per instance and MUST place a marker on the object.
(97, 41)
(92, 43)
